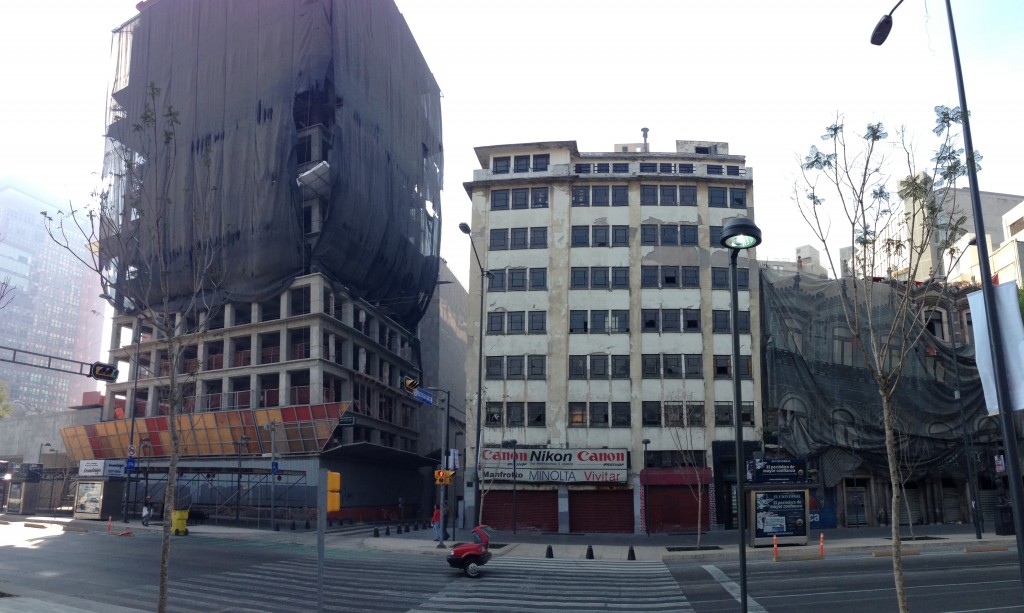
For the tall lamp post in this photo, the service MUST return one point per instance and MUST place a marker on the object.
(444, 458)
(739, 234)
(464, 227)
(878, 36)
(647, 498)
(455, 490)
(238, 488)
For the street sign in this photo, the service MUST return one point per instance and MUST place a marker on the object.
(130, 464)
(273, 467)
(347, 420)
(423, 396)
(131, 451)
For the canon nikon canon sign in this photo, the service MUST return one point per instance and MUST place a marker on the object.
(558, 465)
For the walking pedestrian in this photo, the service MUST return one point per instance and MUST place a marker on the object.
(435, 522)
(147, 511)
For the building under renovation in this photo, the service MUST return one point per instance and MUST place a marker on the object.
(273, 207)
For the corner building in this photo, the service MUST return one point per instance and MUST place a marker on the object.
(607, 324)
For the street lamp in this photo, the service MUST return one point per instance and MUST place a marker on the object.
(878, 37)
(444, 458)
(238, 489)
(455, 490)
(647, 498)
(739, 234)
(513, 444)
(464, 227)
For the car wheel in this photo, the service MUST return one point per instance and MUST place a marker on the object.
(471, 568)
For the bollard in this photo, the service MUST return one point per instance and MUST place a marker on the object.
(293, 524)
(549, 553)
(307, 524)
(821, 545)
(277, 527)
(415, 527)
(398, 529)
(590, 552)
(387, 530)
(632, 554)
(775, 546)
(376, 532)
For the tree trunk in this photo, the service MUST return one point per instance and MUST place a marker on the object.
(897, 489)
(170, 493)
(700, 511)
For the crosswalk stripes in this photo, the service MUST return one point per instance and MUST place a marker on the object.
(529, 585)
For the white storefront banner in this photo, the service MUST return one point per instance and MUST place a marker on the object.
(101, 468)
(555, 465)
(1011, 330)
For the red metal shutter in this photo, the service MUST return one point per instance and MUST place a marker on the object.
(601, 510)
(674, 508)
(535, 510)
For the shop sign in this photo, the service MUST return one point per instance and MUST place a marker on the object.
(777, 470)
(555, 465)
(101, 468)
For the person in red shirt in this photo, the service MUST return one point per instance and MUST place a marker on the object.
(435, 523)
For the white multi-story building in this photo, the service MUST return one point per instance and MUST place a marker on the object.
(607, 336)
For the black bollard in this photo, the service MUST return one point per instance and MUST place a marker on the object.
(549, 553)
(277, 527)
(387, 530)
(307, 524)
(376, 532)
(293, 524)
(415, 526)
(632, 554)
(398, 529)
(590, 552)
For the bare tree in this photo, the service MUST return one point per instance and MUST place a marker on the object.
(141, 270)
(682, 427)
(896, 238)
(6, 288)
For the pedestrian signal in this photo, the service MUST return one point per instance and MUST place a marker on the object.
(104, 372)
(439, 477)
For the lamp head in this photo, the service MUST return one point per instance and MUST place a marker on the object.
(464, 227)
(646, 441)
(881, 31)
(740, 233)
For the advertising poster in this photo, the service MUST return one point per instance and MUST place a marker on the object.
(88, 499)
(780, 514)
(777, 470)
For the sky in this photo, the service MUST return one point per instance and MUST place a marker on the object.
(765, 77)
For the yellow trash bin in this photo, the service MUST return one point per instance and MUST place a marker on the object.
(179, 523)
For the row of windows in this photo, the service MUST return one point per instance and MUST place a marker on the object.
(616, 321)
(655, 366)
(521, 163)
(618, 195)
(517, 322)
(518, 280)
(519, 198)
(518, 238)
(516, 367)
(600, 236)
(686, 195)
(650, 234)
(654, 413)
(686, 168)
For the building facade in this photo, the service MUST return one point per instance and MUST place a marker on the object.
(606, 398)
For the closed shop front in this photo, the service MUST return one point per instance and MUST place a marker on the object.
(601, 510)
(674, 508)
(535, 510)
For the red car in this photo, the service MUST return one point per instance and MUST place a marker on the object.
(471, 556)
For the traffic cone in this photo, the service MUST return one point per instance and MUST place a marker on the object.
(590, 552)
(632, 554)
(821, 545)
(775, 545)
(110, 523)
(549, 553)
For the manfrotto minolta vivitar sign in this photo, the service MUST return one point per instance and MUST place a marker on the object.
(555, 465)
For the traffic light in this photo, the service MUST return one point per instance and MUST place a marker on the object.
(448, 474)
(333, 491)
(410, 384)
(104, 372)
(439, 477)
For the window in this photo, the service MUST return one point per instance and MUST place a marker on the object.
(650, 319)
(540, 162)
(499, 200)
(747, 413)
(620, 367)
(649, 276)
(536, 414)
(648, 194)
(599, 322)
(495, 323)
(517, 279)
(693, 366)
(538, 366)
(514, 415)
(733, 171)
(714, 169)
(539, 197)
(668, 195)
(651, 365)
(582, 169)
(497, 281)
(538, 322)
(620, 414)
(599, 277)
(599, 236)
(737, 198)
(620, 321)
(495, 368)
(514, 367)
(577, 322)
(648, 167)
(688, 195)
(620, 236)
(538, 279)
(723, 368)
(516, 322)
(691, 276)
(720, 321)
(601, 168)
(742, 278)
(499, 240)
(670, 320)
(670, 276)
(577, 367)
(675, 415)
(581, 195)
(694, 414)
(720, 278)
(649, 234)
(718, 197)
(578, 277)
(521, 198)
(521, 163)
(673, 365)
(519, 238)
(599, 195)
(494, 414)
(598, 414)
(620, 167)
(501, 165)
(669, 235)
(743, 325)
(580, 236)
(745, 365)
(538, 238)
(598, 367)
(666, 168)
(651, 411)
(620, 194)
(716, 236)
(686, 169)
(620, 277)
(577, 414)
(688, 235)
(691, 320)
(723, 414)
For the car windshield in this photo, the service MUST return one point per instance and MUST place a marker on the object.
(476, 534)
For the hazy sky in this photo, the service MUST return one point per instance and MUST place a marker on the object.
(764, 76)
